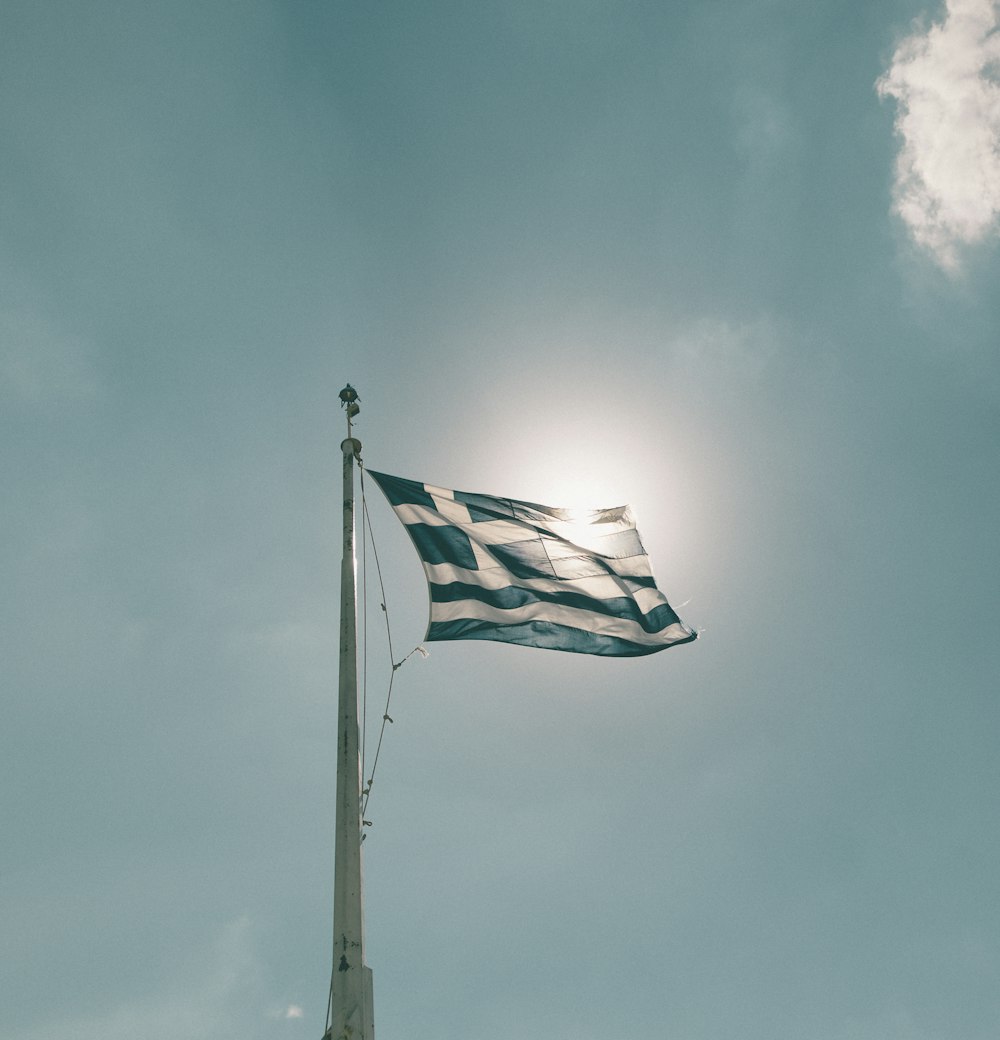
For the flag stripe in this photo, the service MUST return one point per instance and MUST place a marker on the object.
(516, 597)
(550, 636)
(496, 577)
(560, 614)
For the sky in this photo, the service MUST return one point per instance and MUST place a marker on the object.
(733, 263)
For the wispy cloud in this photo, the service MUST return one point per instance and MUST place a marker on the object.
(286, 1012)
(945, 82)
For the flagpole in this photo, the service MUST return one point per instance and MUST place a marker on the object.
(351, 1007)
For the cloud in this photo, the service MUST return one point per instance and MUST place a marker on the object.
(737, 355)
(945, 83)
(764, 127)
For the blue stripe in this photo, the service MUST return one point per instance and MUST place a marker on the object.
(525, 560)
(436, 544)
(401, 491)
(485, 507)
(513, 596)
(547, 636)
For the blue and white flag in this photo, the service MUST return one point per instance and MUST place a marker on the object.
(519, 572)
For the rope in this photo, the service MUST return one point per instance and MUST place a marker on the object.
(364, 633)
(366, 793)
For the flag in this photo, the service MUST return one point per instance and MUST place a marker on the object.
(519, 572)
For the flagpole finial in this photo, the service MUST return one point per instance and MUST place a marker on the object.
(349, 401)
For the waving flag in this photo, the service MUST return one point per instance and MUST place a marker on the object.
(519, 572)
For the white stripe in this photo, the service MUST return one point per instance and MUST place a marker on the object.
(583, 543)
(439, 492)
(649, 599)
(490, 532)
(493, 576)
(601, 522)
(410, 513)
(589, 536)
(600, 586)
(486, 563)
(585, 620)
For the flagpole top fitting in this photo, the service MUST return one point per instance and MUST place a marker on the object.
(349, 401)
(352, 446)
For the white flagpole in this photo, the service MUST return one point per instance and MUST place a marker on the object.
(351, 1008)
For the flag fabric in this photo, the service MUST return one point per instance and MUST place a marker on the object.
(519, 572)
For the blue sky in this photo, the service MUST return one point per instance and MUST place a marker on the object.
(735, 264)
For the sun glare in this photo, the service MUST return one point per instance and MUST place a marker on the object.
(579, 473)
(578, 529)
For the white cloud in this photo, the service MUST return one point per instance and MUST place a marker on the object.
(945, 82)
(286, 1012)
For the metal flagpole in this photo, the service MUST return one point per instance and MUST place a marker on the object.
(351, 1008)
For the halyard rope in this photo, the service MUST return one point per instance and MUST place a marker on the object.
(396, 665)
